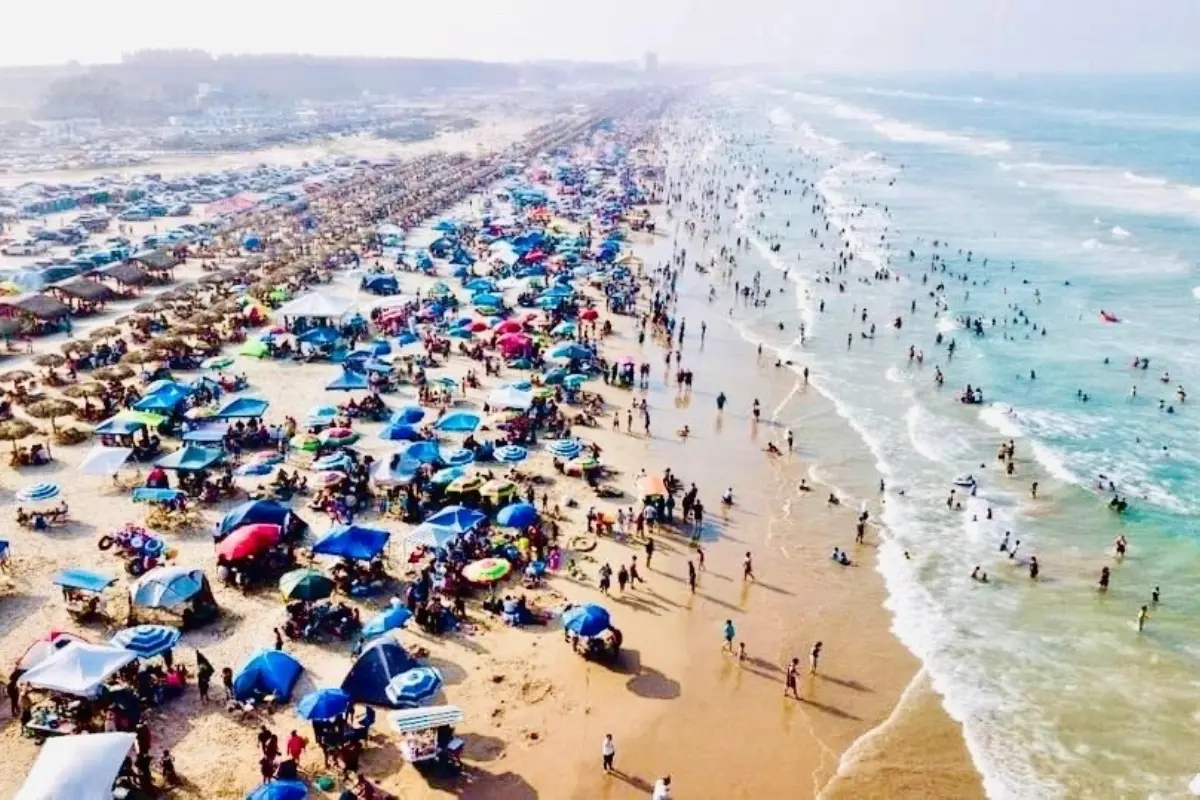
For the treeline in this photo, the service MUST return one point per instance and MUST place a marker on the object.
(151, 85)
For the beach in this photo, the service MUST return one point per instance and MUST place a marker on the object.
(676, 704)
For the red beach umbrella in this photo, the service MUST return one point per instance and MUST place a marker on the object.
(249, 540)
(589, 314)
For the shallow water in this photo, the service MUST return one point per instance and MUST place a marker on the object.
(1081, 197)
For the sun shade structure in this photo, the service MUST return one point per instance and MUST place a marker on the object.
(84, 579)
(280, 790)
(190, 457)
(167, 587)
(390, 618)
(77, 767)
(414, 687)
(381, 661)
(79, 669)
(459, 422)
(323, 704)
(147, 641)
(248, 513)
(586, 620)
(242, 408)
(352, 541)
(105, 461)
(249, 540)
(317, 305)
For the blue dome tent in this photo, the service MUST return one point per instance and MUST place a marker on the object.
(381, 661)
(269, 672)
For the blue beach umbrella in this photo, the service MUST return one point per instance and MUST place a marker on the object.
(517, 515)
(386, 620)
(447, 476)
(425, 452)
(147, 641)
(400, 432)
(280, 790)
(586, 620)
(511, 453)
(408, 415)
(337, 461)
(570, 350)
(574, 381)
(458, 458)
(459, 422)
(414, 687)
(39, 493)
(323, 704)
(566, 448)
(456, 518)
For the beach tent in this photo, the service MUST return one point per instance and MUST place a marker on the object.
(242, 408)
(79, 669)
(190, 457)
(316, 304)
(167, 587)
(352, 541)
(368, 678)
(77, 767)
(426, 535)
(104, 461)
(267, 672)
(248, 513)
(381, 284)
(348, 381)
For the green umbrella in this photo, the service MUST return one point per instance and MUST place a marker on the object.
(306, 442)
(254, 348)
(305, 584)
(487, 570)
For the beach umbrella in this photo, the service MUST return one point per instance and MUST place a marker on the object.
(323, 704)
(571, 350)
(586, 620)
(408, 415)
(326, 479)
(466, 483)
(16, 376)
(49, 360)
(456, 518)
(81, 390)
(338, 437)
(39, 493)
(517, 515)
(511, 453)
(459, 422)
(575, 380)
(424, 452)
(14, 430)
(334, 462)
(76, 346)
(566, 448)
(446, 476)
(390, 618)
(217, 362)
(280, 790)
(147, 641)
(414, 687)
(585, 463)
(589, 314)
(51, 408)
(249, 540)
(400, 432)
(105, 332)
(486, 570)
(458, 458)
(508, 326)
(305, 584)
(113, 372)
(306, 442)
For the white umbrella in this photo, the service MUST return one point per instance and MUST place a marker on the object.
(105, 461)
(81, 767)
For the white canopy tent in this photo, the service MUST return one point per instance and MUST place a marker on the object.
(78, 669)
(426, 535)
(105, 461)
(510, 397)
(80, 767)
(316, 304)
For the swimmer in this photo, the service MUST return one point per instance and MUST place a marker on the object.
(684, 432)
(833, 500)
(772, 450)
(804, 487)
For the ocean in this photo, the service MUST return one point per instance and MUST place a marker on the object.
(1031, 205)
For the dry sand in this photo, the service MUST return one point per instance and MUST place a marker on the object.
(535, 712)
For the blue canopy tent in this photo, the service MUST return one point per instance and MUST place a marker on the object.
(381, 284)
(424, 452)
(190, 457)
(267, 672)
(163, 403)
(117, 426)
(209, 434)
(352, 541)
(459, 422)
(349, 381)
(84, 579)
(253, 512)
(368, 678)
(242, 408)
(457, 518)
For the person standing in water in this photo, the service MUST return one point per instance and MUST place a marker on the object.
(790, 680)
(1143, 615)
(1104, 576)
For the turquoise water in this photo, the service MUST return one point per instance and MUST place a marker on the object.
(1082, 195)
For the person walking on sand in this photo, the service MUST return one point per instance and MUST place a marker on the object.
(790, 680)
(605, 579)
(634, 577)
(649, 550)
(662, 789)
(748, 568)
(692, 577)
(608, 752)
(622, 578)
(700, 557)
(728, 632)
(814, 656)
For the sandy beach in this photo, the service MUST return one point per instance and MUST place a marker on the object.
(536, 712)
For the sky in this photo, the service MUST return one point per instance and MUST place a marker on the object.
(803, 35)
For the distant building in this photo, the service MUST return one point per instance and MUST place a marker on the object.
(650, 63)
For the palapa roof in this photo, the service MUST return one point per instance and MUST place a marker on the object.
(158, 260)
(42, 306)
(84, 289)
(127, 274)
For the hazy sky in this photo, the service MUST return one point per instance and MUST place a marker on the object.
(812, 35)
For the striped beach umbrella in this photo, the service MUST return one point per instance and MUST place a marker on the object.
(39, 493)
(486, 570)
(566, 448)
(511, 452)
(147, 641)
(414, 687)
